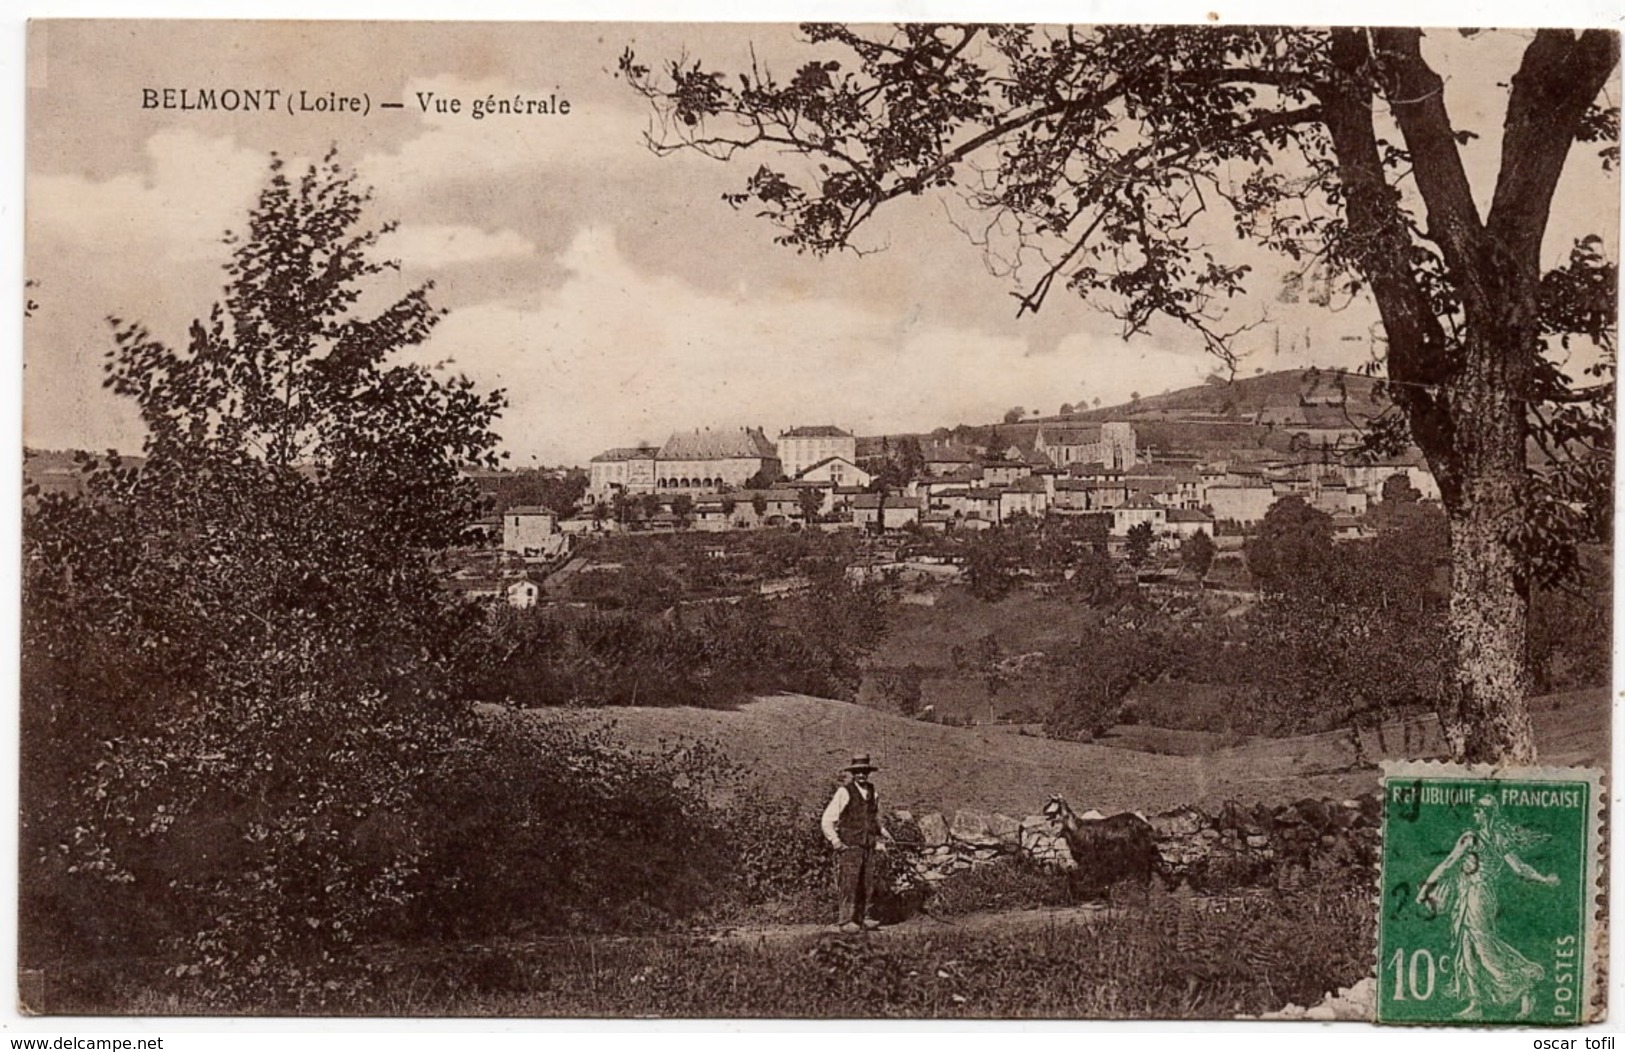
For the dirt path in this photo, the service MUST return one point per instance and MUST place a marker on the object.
(925, 924)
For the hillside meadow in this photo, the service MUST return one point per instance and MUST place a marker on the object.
(791, 745)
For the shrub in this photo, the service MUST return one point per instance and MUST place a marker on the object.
(544, 826)
(1013, 883)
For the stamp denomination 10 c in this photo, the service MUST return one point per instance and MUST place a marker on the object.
(1489, 884)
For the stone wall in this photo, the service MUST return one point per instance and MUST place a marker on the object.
(1235, 846)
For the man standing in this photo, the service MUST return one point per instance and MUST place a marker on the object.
(852, 826)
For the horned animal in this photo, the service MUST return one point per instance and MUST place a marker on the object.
(1108, 851)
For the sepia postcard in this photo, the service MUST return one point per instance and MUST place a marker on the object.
(627, 520)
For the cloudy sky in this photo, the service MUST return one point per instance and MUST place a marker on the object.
(609, 291)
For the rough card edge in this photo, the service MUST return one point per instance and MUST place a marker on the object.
(1596, 935)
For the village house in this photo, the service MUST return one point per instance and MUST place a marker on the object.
(983, 504)
(1370, 477)
(1070, 494)
(1157, 488)
(531, 532)
(1139, 510)
(947, 458)
(1245, 505)
(523, 594)
(834, 471)
(1003, 472)
(1187, 522)
(1026, 496)
(898, 511)
(1334, 497)
(952, 501)
(803, 447)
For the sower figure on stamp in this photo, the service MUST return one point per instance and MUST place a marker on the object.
(1487, 968)
(852, 826)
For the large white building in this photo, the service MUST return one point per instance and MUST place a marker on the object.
(801, 447)
(630, 468)
(707, 461)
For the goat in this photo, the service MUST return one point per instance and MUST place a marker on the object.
(1108, 851)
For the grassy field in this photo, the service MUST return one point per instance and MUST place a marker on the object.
(792, 745)
(1171, 957)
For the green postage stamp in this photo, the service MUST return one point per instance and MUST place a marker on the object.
(1489, 909)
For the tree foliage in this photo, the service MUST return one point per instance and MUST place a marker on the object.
(1349, 634)
(1292, 548)
(1196, 554)
(236, 657)
(1125, 163)
(1140, 539)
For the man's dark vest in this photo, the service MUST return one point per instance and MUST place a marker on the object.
(859, 824)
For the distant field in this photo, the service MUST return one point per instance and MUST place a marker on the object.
(794, 744)
(926, 636)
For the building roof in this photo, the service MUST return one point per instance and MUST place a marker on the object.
(968, 473)
(625, 453)
(816, 431)
(872, 501)
(1188, 515)
(1139, 502)
(725, 444)
(530, 509)
(828, 460)
(1028, 485)
(1068, 435)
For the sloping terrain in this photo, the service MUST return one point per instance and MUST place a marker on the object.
(793, 745)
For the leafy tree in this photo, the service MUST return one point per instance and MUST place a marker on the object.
(1100, 147)
(1292, 550)
(1066, 409)
(1360, 635)
(1140, 540)
(811, 500)
(900, 462)
(1196, 554)
(1014, 414)
(560, 494)
(758, 504)
(243, 644)
(992, 557)
(682, 506)
(1397, 489)
(729, 506)
(1098, 671)
(902, 687)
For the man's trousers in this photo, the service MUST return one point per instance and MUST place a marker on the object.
(855, 880)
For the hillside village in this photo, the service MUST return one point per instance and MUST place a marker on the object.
(1211, 461)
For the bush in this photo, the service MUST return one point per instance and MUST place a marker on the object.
(541, 826)
(1013, 883)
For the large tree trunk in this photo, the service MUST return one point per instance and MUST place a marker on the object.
(1463, 394)
(1486, 717)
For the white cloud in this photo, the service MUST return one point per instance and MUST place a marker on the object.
(195, 189)
(617, 355)
(446, 245)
